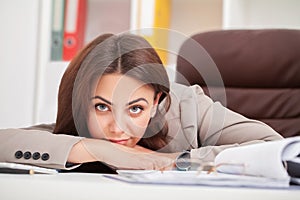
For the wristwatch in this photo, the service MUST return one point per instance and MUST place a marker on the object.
(182, 162)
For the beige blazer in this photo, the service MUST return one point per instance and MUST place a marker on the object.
(195, 123)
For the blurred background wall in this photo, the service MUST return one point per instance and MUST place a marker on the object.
(29, 79)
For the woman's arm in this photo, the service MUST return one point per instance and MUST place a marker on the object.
(119, 156)
(220, 128)
(42, 148)
(36, 147)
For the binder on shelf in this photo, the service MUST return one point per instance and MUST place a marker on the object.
(74, 27)
(155, 14)
(57, 29)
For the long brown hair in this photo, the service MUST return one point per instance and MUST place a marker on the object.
(126, 54)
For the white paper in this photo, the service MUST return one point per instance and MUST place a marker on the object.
(196, 178)
(35, 169)
(263, 159)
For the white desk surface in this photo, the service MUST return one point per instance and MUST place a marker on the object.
(94, 186)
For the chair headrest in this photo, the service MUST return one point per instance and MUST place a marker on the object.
(247, 58)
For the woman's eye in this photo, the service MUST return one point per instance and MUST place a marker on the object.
(135, 109)
(101, 107)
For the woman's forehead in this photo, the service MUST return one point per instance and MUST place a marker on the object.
(121, 87)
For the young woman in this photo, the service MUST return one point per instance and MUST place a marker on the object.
(116, 106)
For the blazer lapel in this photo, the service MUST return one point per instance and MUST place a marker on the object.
(188, 117)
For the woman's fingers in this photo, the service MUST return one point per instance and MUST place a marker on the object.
(157, 162)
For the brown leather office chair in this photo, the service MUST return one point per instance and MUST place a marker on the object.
(260, 70)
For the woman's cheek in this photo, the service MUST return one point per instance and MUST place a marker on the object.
(94, 127)
(138, 127)
(142, 121)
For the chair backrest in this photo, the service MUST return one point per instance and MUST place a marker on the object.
(260, 70)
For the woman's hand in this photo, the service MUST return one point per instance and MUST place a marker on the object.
(120, 156)
(172, 156)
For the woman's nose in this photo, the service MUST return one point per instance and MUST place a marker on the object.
(118, 122)
(115, 128)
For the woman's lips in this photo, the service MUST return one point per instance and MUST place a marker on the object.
(119, 141)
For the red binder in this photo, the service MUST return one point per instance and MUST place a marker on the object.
(74, 27)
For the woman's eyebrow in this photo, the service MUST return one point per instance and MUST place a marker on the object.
(101, 98)
(137, 100)
(131, 102)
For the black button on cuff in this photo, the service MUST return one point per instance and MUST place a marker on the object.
(19, 154)
(45, 156)
(27, 155)
(36, 155)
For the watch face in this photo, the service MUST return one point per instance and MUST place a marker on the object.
(183, 162)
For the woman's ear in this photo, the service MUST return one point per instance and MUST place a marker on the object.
(156, 99)
(155, 103)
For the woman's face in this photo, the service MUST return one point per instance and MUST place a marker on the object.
(120, 109)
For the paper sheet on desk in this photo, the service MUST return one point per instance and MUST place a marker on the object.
(196, 178)
(17, 168)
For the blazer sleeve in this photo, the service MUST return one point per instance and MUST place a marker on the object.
(37, 147)
(220, 128)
